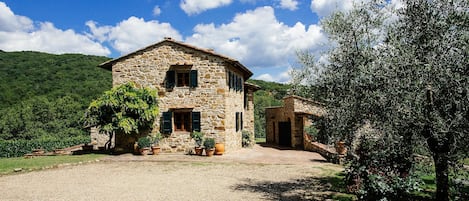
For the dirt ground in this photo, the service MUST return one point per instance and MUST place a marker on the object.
(259, 173)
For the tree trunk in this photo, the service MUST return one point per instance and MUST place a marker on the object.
(442, 181)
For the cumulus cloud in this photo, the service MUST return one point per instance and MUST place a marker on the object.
(289, 4)
(326, 7)
(282, 77)
(192, 7)
(258, 39)
(19, 33)
(156, 10)
(132, 34)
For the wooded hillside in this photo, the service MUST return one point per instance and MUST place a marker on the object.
(45, 95)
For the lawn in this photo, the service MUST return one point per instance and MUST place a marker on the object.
(466, 161)
(260, 140)
(8, 165)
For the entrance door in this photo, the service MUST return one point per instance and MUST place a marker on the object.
(284, 133)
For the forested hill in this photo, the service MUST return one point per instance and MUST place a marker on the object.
(45, 95)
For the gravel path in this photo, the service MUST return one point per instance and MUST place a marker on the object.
(260, 173)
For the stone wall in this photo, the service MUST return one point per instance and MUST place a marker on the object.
(212, 97)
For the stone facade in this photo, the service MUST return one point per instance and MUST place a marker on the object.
(285, 125)
(197, 88)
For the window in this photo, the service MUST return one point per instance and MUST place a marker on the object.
(235, 82)
(181, 120)
(181, 78)
(239, 121)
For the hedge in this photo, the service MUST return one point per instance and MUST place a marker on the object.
(17, 148)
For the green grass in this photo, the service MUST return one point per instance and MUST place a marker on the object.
(7, 165)
(260, 140)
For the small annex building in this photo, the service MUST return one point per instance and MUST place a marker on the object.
(285, 125)
(198, 89)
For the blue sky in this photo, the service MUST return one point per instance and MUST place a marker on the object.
(264, 35)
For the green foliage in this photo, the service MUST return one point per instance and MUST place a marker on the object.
(209, 143)
(124, 109)
(144, 142)
(247, 139)
(17, 148)
(271, 94)
(408, 79)
(155, 139)
(198, 138)
(44, 95)
(312, 131)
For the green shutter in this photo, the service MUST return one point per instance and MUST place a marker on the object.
(237, 121)
(167, 122)
(230, 80)
(241, 121)
(196, 121)
(193, 79)
(170, 79)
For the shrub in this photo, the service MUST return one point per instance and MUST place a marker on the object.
(17, 148)
(144, 142)
(209, 143)
(198, 137)
(312, 131)
(247, 139)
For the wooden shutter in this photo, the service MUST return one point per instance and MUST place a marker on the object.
(196, 121)
(241, 121)
(167, 122)
(193, 79)
(170, 79)
(237, 121)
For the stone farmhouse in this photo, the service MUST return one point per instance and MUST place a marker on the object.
(285, 125)
(198, 89)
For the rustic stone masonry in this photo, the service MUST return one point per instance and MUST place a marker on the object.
(285, 125)
(193, 84)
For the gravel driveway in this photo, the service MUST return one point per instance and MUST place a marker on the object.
(260, 173)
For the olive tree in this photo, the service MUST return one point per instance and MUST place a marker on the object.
(125, 109)
(408, 79)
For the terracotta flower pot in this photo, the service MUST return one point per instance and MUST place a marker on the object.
(144, 151)
(155, 150)
(340, 148)
(199, 151)
(209, 152)
(219, 148)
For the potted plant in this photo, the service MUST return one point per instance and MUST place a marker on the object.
(155, 148)
(209, 145)
(340, 147)
(144, 144)
(198, 138)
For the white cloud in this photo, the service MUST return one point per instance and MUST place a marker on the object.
(326, 7)
(258, 39)
(156, 10)
(282, 77)
(192, 7)
(19, 33)
(132, 33)
(289, 4)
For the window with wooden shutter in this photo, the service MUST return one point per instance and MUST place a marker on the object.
(196, 121)
(170, 79)
(193, 79)
(167, 122)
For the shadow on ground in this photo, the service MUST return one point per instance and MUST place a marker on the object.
(310, 188)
